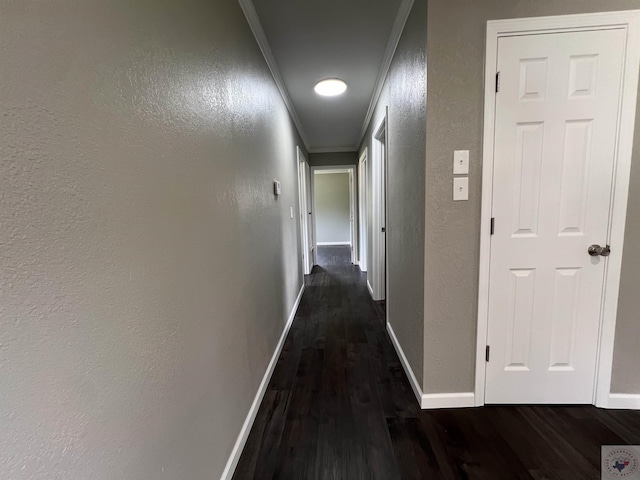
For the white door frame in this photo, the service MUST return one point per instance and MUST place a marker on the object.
(630, 21)
(309, 215)
(378, 275)
(362, 211)
(307, 263)
(350, 169)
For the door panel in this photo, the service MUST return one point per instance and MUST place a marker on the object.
(555, 145)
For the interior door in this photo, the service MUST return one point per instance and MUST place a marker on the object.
(555, 144)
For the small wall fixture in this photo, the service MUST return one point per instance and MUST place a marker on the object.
(330, 87)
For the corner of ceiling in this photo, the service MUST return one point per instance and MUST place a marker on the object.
(394, 38)
(251, 15)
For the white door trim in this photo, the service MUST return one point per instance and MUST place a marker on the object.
(353, 205)
(630, 21)
(378, 180)
(362, 210)
(350, 169)
(302, 214)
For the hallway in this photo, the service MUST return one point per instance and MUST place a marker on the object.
(161, 316)
(340, 407)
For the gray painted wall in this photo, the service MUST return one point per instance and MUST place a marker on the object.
(333, 212)
(404, 93)
(456, 39)
(147, 270)
(333, 158)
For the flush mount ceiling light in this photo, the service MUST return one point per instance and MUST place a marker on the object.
(330, 87)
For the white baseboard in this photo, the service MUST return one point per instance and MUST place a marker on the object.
(417, 390)
(370, 288)
(448, 400)
(320, 244)
(232, 463)
(430, 400)
(627, 401)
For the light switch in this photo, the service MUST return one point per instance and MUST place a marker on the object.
(461, 162)
(461, 188)
(277, 189)
(291, 210)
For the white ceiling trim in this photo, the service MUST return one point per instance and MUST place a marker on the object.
(394, 39)
(258, 32)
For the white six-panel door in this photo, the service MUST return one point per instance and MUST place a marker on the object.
(555, 140)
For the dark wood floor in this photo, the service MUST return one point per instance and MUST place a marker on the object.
(339, 407)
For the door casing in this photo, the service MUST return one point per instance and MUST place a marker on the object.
(305, 230)
(630, 21)
(362, 211)
(379, 262)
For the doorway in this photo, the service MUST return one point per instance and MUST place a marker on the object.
(378, 278)
(306, 219)
(558, 133)
(334, 207)
(362, 211)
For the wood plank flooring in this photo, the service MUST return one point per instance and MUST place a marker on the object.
(339, 407)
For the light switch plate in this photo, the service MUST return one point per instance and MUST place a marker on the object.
(291, 210)
(277, 189)
(461, 188)
(461, 162)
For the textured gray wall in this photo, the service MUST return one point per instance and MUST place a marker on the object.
(456, 39)
(333, 209)
(147, 270)
(333, 158)
(405, 94)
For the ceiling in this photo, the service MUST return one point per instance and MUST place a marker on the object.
(305, 41)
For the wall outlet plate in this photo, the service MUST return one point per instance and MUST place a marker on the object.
(277, 189)
(461, 162)
(461, 188)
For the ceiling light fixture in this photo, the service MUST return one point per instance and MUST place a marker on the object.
(330, 87)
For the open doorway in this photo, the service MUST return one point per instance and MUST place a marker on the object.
(306, 223)
(377, 281)
(334, 204)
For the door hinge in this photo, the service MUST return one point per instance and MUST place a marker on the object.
(487, 353)
(497, 82)
(493, 225)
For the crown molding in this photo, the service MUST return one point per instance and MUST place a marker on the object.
(251, 15)
(394, 38)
